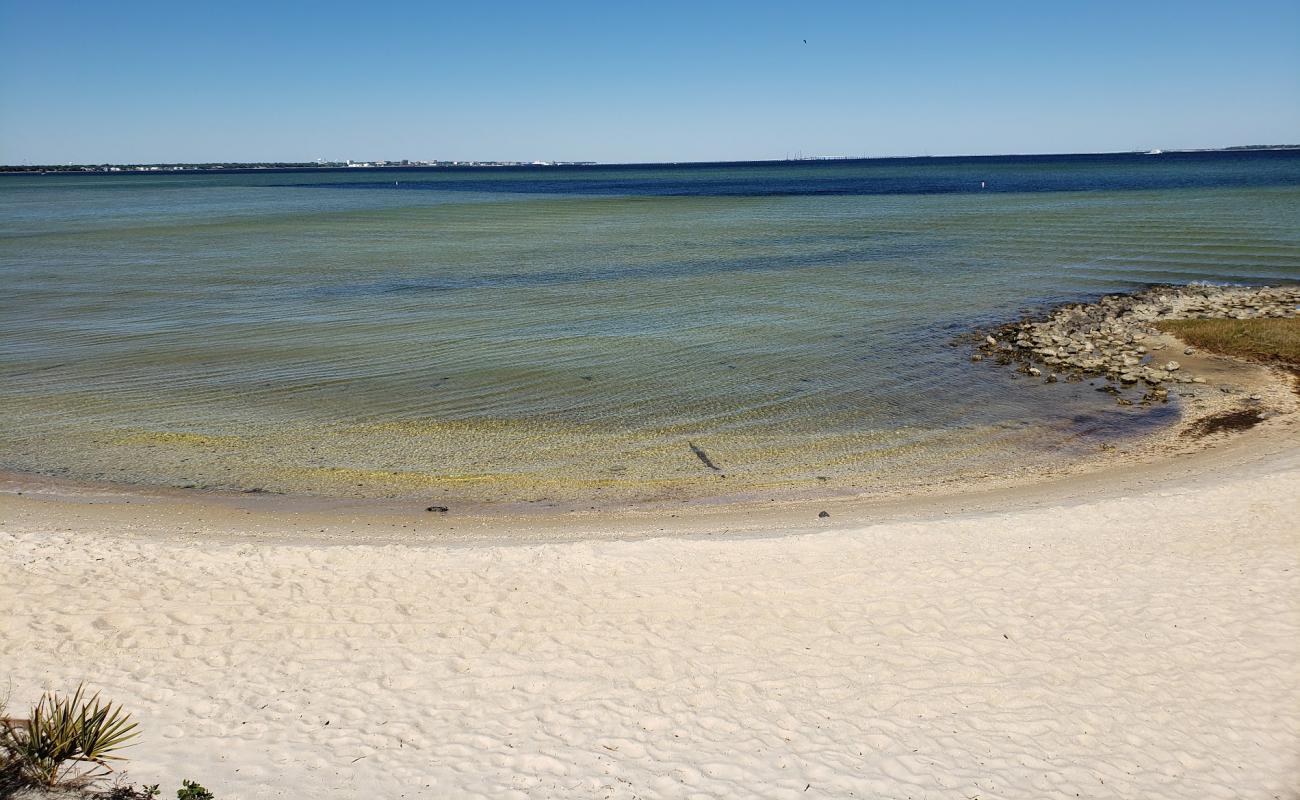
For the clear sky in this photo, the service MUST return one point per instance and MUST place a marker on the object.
(128, 81)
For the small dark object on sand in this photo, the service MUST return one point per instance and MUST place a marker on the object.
(439, 509)
(823, 514)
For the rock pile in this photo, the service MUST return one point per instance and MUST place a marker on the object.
(1115, 336)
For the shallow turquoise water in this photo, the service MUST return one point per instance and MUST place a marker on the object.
(569, 333)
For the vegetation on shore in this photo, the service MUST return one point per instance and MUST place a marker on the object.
(1274, 339)
(63, 748)
(66, 740)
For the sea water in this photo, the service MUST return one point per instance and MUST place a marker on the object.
(588, 335)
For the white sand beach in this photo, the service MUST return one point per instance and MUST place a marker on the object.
(644, 401)
(1133, 635)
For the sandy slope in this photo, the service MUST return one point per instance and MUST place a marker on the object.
(1140, 644)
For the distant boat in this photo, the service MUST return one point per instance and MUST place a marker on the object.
(1155, 152)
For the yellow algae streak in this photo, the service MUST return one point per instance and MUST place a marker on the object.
(178, 438)
(348, 476)
(504, 428)
(407, 480)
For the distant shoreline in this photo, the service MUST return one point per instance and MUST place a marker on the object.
(174, 168)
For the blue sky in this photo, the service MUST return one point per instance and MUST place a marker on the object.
(125, 81)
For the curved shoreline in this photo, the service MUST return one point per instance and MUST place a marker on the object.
(1112, 341)
(1171, 454)
(1271, 445)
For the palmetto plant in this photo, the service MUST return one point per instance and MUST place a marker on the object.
(68, 739)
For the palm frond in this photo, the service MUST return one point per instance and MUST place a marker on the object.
(65, 734)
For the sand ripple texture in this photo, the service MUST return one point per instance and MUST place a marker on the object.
(1144, 646)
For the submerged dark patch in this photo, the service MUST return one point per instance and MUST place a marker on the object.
(904, 246)
(1225, 422)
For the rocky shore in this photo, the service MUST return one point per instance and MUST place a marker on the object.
(1116, 336)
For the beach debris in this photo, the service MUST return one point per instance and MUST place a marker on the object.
(704, 457)
(438, 509)
(823, 514)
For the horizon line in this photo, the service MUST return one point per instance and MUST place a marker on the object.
(430, 163)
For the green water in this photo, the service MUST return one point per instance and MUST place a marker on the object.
(566, 336)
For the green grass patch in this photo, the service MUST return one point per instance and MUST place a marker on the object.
(1270, 339)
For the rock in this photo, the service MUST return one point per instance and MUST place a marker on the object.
(977, 357)
(1191, 351)
(1102, 338)
(1035, 371)
(823, 514)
